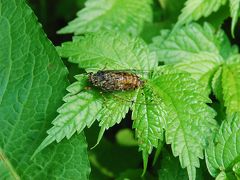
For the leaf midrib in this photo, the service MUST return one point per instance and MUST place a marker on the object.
(8, 165)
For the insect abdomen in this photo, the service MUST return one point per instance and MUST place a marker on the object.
(115, 81)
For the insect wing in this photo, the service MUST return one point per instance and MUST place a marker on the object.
(141, 73)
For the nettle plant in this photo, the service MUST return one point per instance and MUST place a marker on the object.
(187, 108)
(178, 105)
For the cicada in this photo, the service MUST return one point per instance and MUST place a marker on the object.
(117, 81)
(111, 80)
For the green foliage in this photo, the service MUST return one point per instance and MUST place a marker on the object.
(236, 169)
(201, 52)
(208, 56)
(217, 85)
(33, 81)
(108, 50)
(184, 113)
(192, 48)
(234, 10)
(226, 49)
(187, 43)
(6, 169)
(188, 72)
(74, 116)
(113, 112)
(120, 15)
(112, 52)
(223, 153)
(170, 169)
(231, 85)
(150, 118)
(194, 9)
(103, 157)
(171, 9)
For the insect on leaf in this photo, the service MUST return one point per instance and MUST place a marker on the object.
(83, 106)
(168, 100)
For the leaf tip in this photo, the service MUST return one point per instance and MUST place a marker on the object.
(39, 149)
(48, 140)
(145, 162)
(94, 146)
(62, 31)
(232, 30)
(100, 135)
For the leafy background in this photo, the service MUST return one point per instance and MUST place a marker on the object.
(218, 73)
(33, 81)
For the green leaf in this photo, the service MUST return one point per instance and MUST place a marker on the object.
(4, 172)
(32, 83)
(148, 116)
(195, 9)
(118, 50)
(151, 30)
(226, 49)
(202, 68)
(171, 9)
(193, 48)
(234, 11)
(225, 176)
(119, 15)
(231, 84)
(157, 152)
(189, 121)
(236, 169)
(217, 85)
(79, 110)
(186, 43)
(6, 169)
(216, 19)
(220, 110)
(108, 50)
(115, 107)
(148, 119)
(223, 152)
